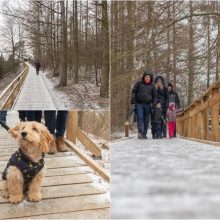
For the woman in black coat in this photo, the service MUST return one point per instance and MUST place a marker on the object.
(162, 98)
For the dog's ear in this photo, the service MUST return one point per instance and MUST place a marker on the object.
(46, 139)
(14, 131)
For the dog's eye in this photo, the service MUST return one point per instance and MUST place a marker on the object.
(35, 129)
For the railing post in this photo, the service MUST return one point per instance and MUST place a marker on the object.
(189, 131)
(197, 120)
(186, 125)
(204, 121)
(72, 125)
(126, 128)
(215, 116)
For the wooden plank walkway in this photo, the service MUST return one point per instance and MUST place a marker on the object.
(70, 188)
(34, 94)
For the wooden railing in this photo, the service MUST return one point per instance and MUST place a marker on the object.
(200, 120)
(75, 133)
(9, 94)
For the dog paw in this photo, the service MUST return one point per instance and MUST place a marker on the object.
(16, 199)
(34, 197)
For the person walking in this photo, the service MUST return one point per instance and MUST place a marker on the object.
(37, 66)
(143, 97)
(173, 97)
(162, 98)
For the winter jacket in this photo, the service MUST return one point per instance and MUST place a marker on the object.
(28, 168)
(143, 93)
(162, 96)
(173, 97)
(171, 112)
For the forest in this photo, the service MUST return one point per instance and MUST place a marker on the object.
(70, 38)
(177, 39)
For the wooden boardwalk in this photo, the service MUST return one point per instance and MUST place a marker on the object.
(70, 188)
(34, 94)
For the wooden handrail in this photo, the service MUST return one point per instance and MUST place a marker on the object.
(74, 133)
(200, 120)
(13, 89)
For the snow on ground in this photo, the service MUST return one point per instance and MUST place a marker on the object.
(84, 95)
(98, 181)
(169, 178)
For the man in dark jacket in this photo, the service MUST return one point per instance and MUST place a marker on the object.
(143, 97)
(173, 97)
(162, 98)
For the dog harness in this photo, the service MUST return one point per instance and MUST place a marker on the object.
(28, 168)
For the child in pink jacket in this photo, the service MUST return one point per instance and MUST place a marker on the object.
(171, 117)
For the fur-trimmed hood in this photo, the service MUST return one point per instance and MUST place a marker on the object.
(159, 77)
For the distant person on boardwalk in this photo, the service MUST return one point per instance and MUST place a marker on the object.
(37, 66)
(143, 97)
(173, 97)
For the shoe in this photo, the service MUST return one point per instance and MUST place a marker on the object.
(140, 136)
(53, 147)
(145, 136)
(61, 147)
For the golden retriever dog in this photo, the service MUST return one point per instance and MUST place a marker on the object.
(25, 169)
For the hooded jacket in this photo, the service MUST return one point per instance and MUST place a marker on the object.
(162, 95)
(143, 93)
(173, 97)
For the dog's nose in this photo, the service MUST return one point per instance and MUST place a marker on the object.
(24, 134)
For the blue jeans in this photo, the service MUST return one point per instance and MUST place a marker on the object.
(143, 115)
(34, 116)
(56, 123)
(3, 115)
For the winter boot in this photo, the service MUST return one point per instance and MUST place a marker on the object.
(145, 136)
(140, 136)
(53, 147)
(61, 147)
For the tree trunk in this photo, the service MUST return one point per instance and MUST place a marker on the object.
(104, 91)
(191, 57)
(76, 43)
(63, 81)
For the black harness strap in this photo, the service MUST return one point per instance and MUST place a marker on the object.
(28, 168)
